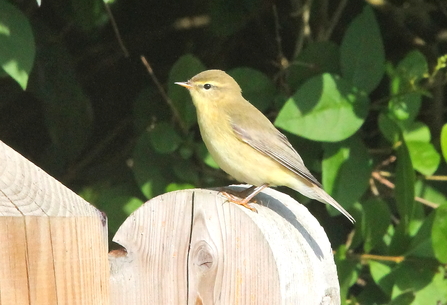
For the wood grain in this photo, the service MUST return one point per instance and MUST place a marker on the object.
(193, 247)
(54, 244)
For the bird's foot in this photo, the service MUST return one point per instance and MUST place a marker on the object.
(235, 197)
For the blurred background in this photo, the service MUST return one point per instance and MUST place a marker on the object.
(369, 76)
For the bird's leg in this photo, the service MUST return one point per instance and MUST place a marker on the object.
(248, 194)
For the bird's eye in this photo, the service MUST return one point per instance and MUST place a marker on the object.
(207, 86)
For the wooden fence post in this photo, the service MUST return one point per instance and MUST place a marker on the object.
(53, 244)
(193, 247)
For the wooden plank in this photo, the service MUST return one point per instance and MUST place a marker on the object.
(230, 262)
(54, 244)
(156, 237)
(13, 257)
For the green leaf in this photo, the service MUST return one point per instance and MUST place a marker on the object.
(178, 186)
(148, 168)
(117, 202)
(400, 239)
(409, 276)
(67, 109)
(88, 14)
(17, 48)
(435, 292)
(369, 294)
(404, 190)
(164, 138)
(444, 141)
(147, 105)
(375, 220)
(317, 58)
(131, 204)
(185, 68)
(424, 157)
(362, 54)
(185, 170)
(346, 170)
(418, 132)
(206, 157)
(421, 243)
(382, 275)
(405, 107)
(405, 298)
(413, 67)
(325, 108)
(389, 129)
(347, 273)
(310, 151)
(439, 234)
(257, 88)
(407, 98)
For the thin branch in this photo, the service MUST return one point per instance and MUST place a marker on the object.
(282, 60)
(174, 110)
(380, 151)
(116, 30)
(396, 259)
(376, 175)
(96, 151)
(334, 20)
(436, 178)
(323, 20)
(305, 31)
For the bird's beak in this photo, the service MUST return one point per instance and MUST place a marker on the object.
(187, 85)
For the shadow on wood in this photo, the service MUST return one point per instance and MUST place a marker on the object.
(193, 247)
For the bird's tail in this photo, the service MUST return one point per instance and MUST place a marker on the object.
(324, 197)
(317, 193)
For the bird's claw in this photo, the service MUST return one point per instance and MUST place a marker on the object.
(243, 202)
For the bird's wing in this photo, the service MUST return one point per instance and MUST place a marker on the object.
(269, 141)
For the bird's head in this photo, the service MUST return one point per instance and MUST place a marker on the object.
(211, 86)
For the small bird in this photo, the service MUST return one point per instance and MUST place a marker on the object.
(245, 144)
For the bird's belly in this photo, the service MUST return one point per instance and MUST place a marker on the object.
(245, 163)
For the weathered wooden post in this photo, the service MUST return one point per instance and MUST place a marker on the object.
(193, 247)
(53, 244)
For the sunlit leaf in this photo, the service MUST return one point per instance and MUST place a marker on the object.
(439, 234)
(17, 48)
(424, 157)
(382, 275)
(444, 142)
(325, 108)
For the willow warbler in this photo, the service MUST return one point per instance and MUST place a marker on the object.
(245, 144)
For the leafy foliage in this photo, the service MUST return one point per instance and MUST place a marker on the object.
(17, 41)
(364, 110)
